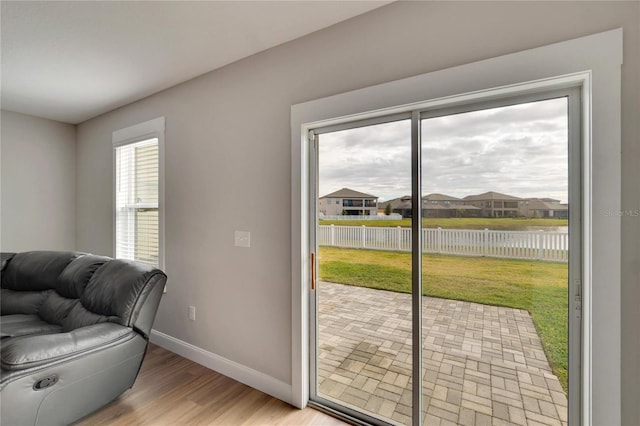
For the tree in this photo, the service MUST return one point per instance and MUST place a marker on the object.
(387, 209)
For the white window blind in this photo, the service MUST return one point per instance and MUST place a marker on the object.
(137, 201)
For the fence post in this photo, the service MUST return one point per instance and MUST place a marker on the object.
(399, 238)
(364, 236)
(485, 235)
(439, 240)
(540, 243)
(333, 235)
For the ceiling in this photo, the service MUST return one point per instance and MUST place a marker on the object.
(73, 60)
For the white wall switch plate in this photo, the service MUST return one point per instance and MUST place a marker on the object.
(243, 239)
(192, 313)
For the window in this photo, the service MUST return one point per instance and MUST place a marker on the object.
(138, 191)
(352, 203)
(137, 230)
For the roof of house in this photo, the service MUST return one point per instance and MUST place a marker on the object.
(491, 195)
(546, 200)
(542, 204)
(348, 193)
(449, 207)
(429, 197)
(405, 203)
(440, 197)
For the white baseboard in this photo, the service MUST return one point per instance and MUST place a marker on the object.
(239, 372)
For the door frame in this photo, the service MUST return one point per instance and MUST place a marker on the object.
(574, 265)
(592, 63)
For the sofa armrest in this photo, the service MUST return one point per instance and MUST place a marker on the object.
(31, 351)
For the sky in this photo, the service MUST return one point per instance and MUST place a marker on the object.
(519, 150)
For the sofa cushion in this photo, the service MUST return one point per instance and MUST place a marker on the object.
(75, 277)
(22, 302)
(36, 270)
(34, 351)
(55, 308)
(22, 325)
(116, 287)
(79, 316)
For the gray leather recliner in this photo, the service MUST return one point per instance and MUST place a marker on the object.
(75, 329)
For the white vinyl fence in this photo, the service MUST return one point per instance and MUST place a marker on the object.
(392, 216)
(535, 245)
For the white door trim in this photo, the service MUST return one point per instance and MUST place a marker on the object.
(594, 63)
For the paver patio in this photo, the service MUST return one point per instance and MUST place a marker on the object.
(482, 365)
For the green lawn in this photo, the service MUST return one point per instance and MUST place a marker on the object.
(538, 287)
(507, 224)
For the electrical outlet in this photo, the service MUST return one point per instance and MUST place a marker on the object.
(192, 313)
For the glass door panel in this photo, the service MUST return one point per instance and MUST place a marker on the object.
(495, 222)
(362, 301)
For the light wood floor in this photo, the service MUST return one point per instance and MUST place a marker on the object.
(171, 390)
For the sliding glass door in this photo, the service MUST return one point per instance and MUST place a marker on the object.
(442, 266)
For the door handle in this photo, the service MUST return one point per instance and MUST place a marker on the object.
(313, 271)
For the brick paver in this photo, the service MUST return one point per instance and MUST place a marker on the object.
(481, 364)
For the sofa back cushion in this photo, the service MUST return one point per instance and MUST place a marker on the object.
(74, 278)
(36, 270)
(115, 288)
(29, 278)
(22, 302)
(55, 308)
(78, 316)
(69, 287)
(115, 293)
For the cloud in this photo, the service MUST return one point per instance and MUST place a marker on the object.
(519, 150)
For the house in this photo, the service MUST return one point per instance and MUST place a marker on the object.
(229, 164)
(347, 202)
(401, 205)
(433, 205)
(494, 204)
(446, 206)
(543, 207)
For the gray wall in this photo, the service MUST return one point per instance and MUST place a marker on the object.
(228, 160)
(38, 184)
